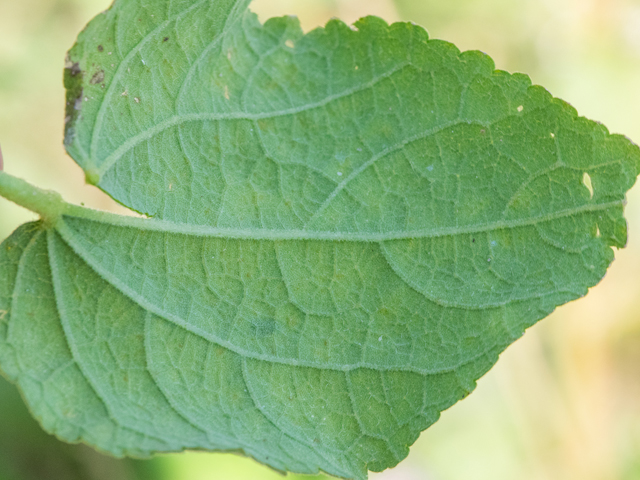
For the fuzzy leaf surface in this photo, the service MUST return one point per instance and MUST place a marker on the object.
(348, 227)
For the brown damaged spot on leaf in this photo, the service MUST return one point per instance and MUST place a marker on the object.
(72, 68)
(98, 77)
(73, 77)
(100, 48)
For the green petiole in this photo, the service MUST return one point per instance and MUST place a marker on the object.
(46, 203)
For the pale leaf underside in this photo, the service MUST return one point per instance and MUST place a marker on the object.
(348, 228)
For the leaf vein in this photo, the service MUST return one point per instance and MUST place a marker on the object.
(97, 127)
(180, 119)
(67, 234)
(74, 211)
(73, 348)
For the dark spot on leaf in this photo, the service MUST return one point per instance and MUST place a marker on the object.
(73, 78)
(165, 39)
(263, 327)
(100, 48)
(74, 69)
(97, 77)
(473, 240)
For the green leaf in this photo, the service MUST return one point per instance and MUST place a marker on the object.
(348, 227)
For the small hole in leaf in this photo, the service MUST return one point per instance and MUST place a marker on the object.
(520, 108)
(586, 181)
(553, 135)
(289, 43)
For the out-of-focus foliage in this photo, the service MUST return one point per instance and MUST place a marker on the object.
(26, 453)
(564, 402)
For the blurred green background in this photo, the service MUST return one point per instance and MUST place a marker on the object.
(563, 402)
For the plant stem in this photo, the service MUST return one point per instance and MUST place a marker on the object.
(48, 204)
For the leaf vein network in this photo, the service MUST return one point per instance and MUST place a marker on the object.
(97, 127)
(182, 118)
(67, 235)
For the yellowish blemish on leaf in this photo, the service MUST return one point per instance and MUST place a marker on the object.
(586, 180)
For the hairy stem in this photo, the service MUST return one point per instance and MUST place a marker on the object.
(48, 204)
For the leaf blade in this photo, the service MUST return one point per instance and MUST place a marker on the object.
(349, 227)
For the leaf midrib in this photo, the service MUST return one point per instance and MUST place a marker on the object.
(168, 226)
